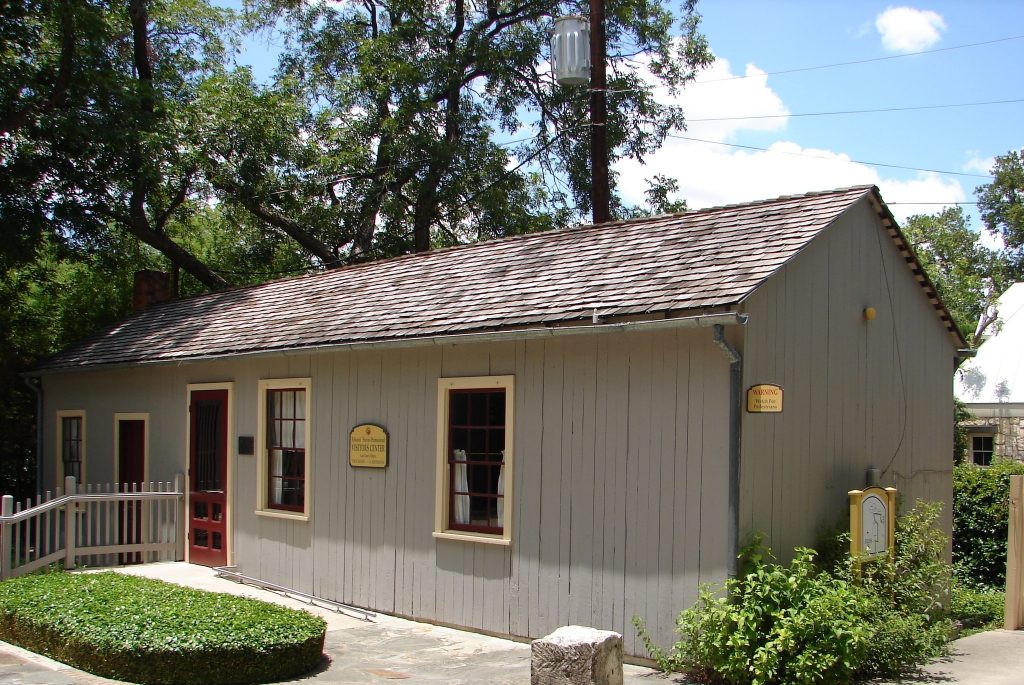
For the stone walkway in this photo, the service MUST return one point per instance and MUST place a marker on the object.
(389, 648)
(358, 652)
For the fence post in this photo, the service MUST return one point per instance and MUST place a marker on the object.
(70, 524)
(1013, 612)
(180, 517)
(6, 537)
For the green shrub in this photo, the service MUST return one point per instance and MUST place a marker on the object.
(980, 510)
(147, 631)
(799, 624)
(777, 624)
(900, 642)
(977, 609)
(916, 581)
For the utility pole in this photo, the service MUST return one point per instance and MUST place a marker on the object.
(599, 195)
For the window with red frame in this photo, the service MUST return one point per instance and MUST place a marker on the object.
(286, 449)
(476, 459)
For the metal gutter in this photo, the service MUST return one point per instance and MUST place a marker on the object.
(700, 321)
(735, 429)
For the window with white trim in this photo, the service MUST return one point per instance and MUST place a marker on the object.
(982, 448)
(474, 458)
(70, 446)
(284, 446)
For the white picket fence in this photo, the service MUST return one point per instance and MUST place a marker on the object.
(94, 525)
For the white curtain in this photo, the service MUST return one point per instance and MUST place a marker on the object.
(501, 492)
(277, 480)
(461, 502)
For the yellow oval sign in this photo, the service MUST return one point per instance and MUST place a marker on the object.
(368, 446)
(765, 398)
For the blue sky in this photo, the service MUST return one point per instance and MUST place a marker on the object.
(752, 38)
(755, 39)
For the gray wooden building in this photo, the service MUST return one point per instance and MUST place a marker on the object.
(568, 436)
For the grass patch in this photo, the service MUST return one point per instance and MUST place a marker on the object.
(151, 632)
(976, 608)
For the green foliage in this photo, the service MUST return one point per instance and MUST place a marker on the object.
(778, 624)
(795, 624)
(961, 437)
(980, 521)
(146, 631)
(977, 608)
(400, 109)
(54, 301)
(1001, 205)
(967, 275)
(916, 580)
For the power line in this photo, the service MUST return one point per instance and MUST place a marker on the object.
(855, 161)
(859, 61)
(859, 111)
(524, 162)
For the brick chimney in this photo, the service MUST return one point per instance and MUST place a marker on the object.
(151, 287)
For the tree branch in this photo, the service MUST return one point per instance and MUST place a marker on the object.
(65, 68)
(279, 221)
(178, 200)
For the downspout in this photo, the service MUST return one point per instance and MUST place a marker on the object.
(36, 385)
(735, 407)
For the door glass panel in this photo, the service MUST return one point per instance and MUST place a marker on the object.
(207, 438)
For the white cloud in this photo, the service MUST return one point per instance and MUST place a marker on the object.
(992, 241)
(905, 29)
(715, 173)
(723, 95)
(930, 190)
(979, 165)
(712, 173)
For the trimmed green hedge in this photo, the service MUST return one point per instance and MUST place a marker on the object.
(981, 504)
(151, 632)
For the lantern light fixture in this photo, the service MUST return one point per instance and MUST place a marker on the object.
(570, 51)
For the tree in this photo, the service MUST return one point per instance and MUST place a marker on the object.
(110, 146)
(394, 110)
(1001, 204)
(967, 275)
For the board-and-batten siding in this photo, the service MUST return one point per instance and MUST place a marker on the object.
(858, 393)
(620, 478)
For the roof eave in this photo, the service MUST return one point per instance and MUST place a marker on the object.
(910, 257)
(704, 320)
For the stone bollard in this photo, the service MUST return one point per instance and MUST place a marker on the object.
(577, 655)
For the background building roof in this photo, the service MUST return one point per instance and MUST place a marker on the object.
(660, 266)
(996, 375)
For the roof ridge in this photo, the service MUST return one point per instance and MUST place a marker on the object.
(737, 205)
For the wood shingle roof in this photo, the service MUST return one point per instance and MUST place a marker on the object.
(660, 266)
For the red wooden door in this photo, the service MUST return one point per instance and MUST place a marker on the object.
(131, 472)
(208, 460)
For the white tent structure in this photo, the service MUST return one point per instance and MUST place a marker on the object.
(992, 385)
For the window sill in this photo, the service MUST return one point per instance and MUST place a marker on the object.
(482, 538)
(291, 516)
